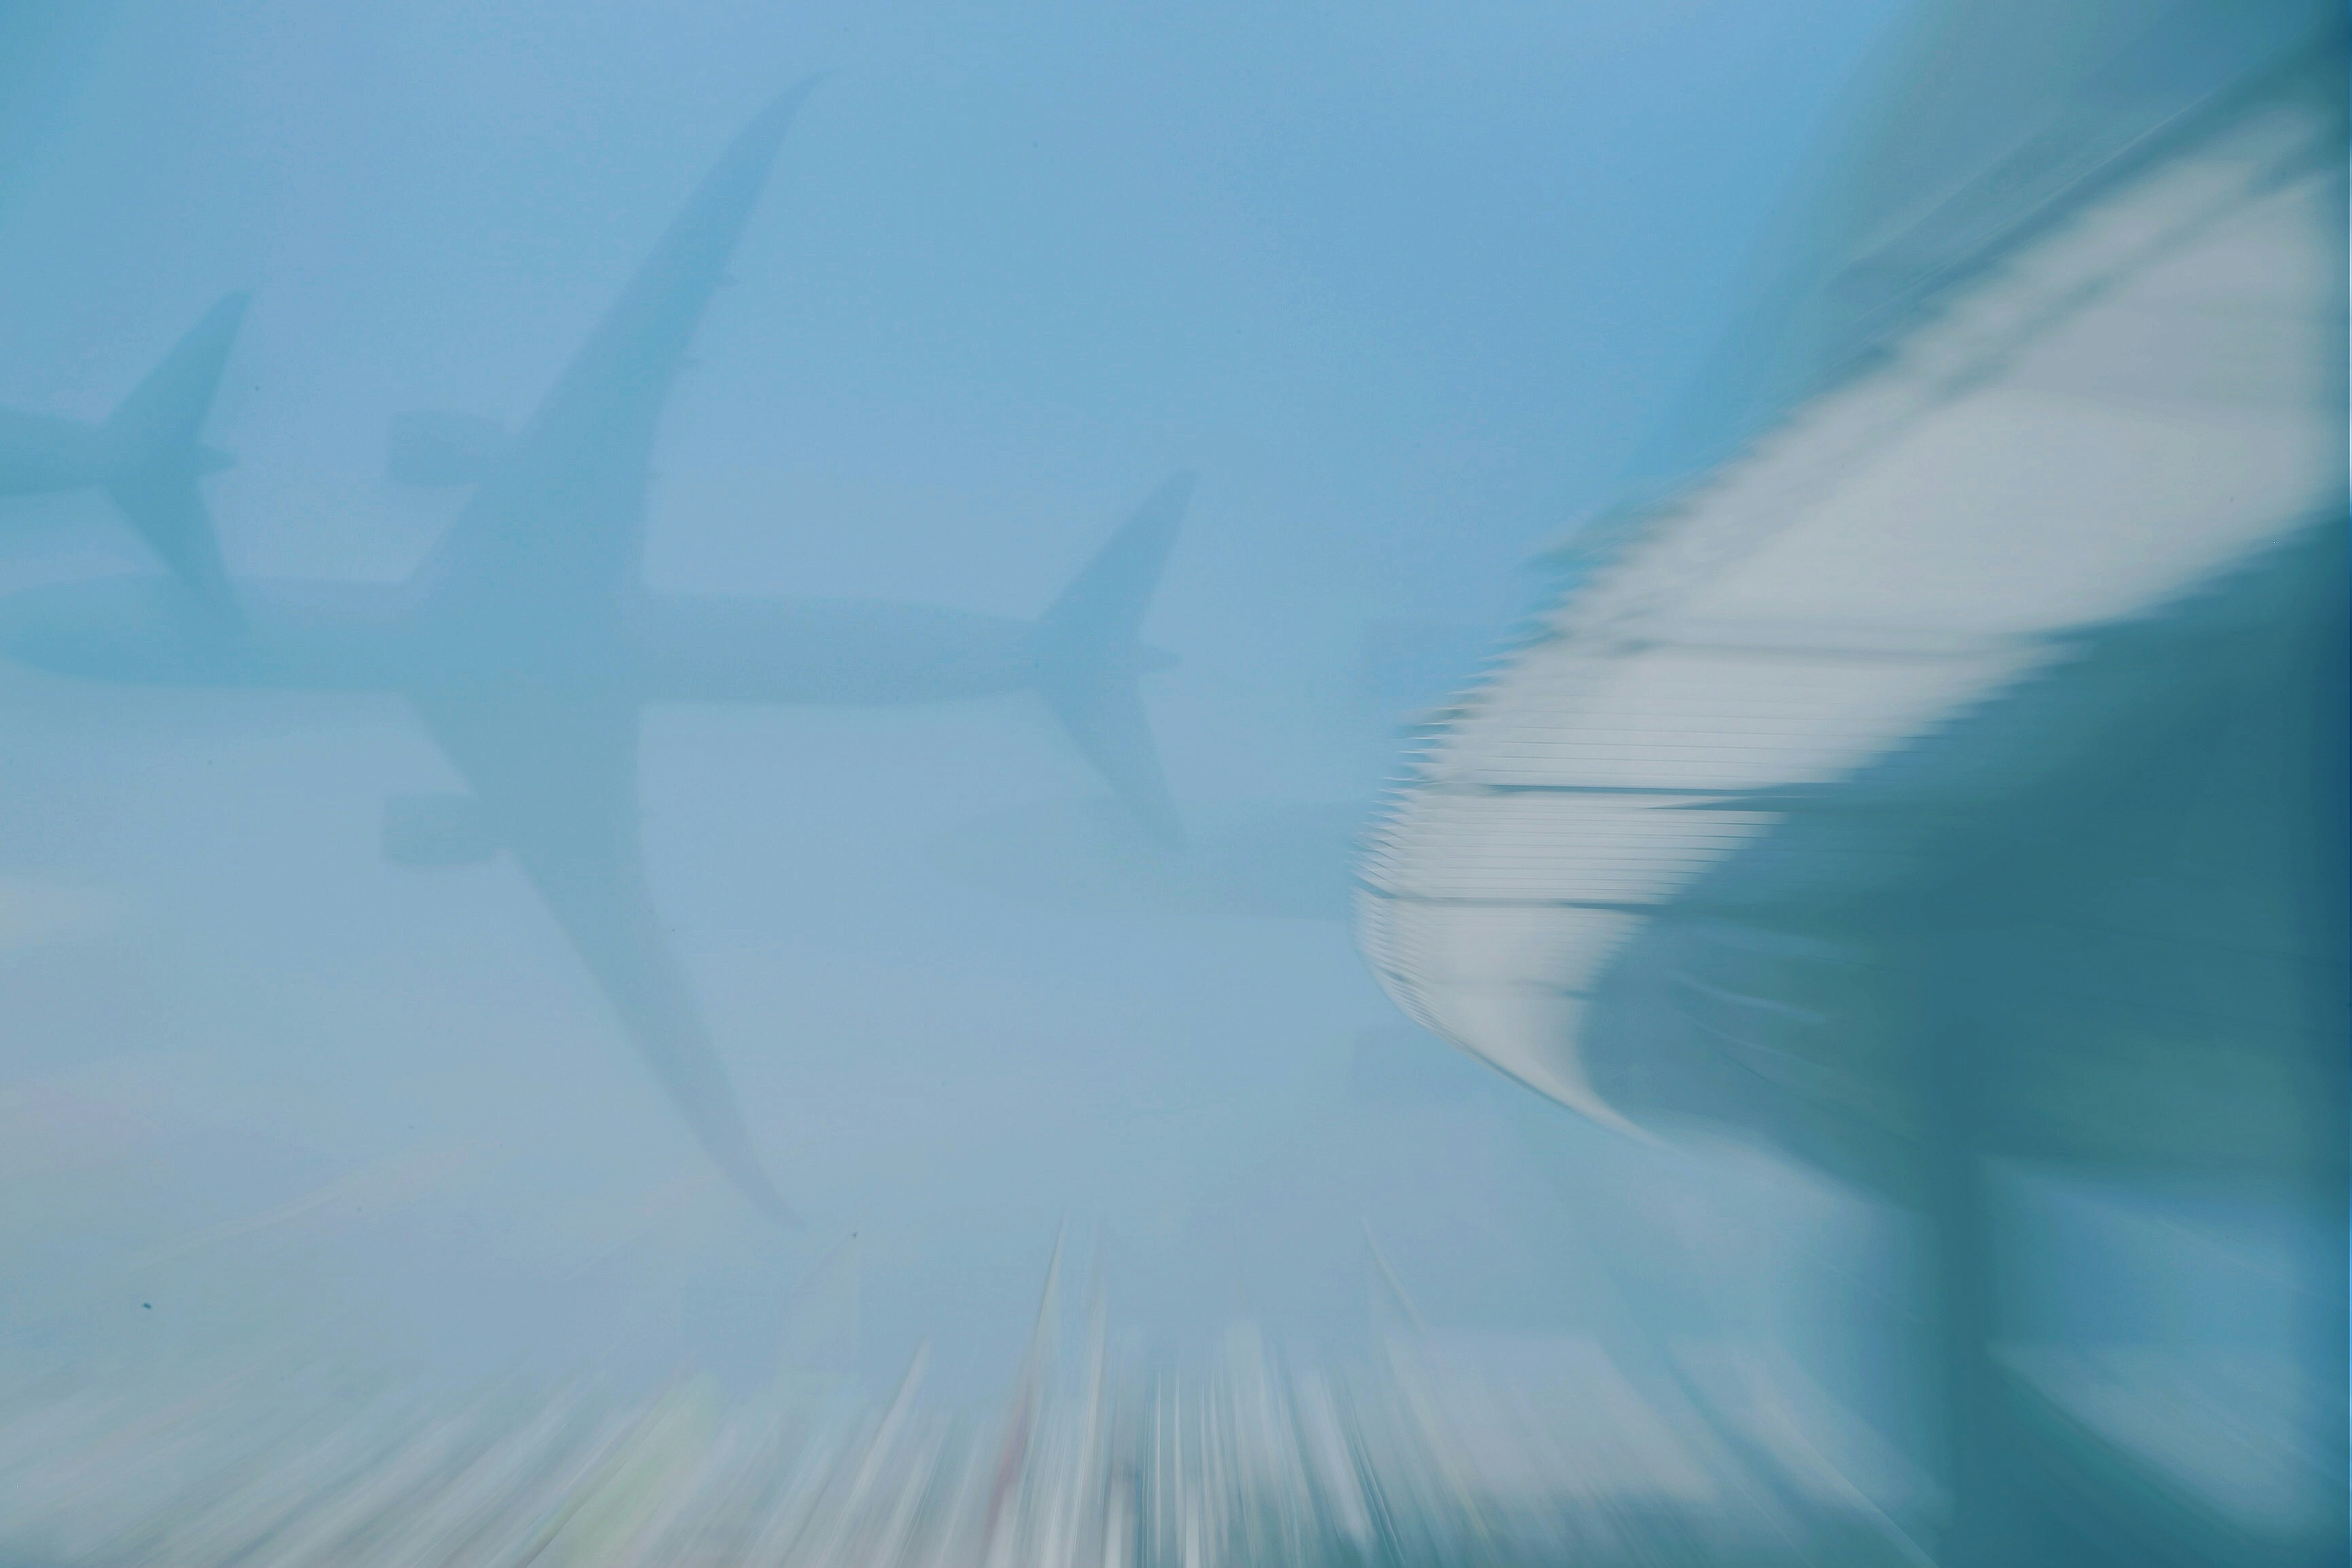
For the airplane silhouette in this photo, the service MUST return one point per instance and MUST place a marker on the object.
(148, 455)
(528, 646)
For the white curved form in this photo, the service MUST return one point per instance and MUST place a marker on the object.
(2141, 393)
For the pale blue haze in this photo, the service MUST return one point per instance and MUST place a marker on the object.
(1406, 286)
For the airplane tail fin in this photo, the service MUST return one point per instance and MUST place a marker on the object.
(1087, 659)
(157, 453)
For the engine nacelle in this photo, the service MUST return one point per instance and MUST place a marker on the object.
(443, 450)
(438, 830)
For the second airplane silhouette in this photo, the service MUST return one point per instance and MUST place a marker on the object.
(528, 646)
(149, 455)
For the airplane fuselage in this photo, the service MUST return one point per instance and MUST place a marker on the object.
(662, 648)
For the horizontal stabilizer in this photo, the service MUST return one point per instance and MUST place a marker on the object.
(429, 830)
(155, 452)
(443, 451)
(169, 515)
(1087, 659)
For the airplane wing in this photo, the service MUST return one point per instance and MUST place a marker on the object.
(553, 534)
(554, 770)
(535, 575)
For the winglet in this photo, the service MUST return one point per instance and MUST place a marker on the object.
(155, 452)
(743, 168)
(1086, 658)
(768, 129)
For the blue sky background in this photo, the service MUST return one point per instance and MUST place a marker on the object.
(1409, 284)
